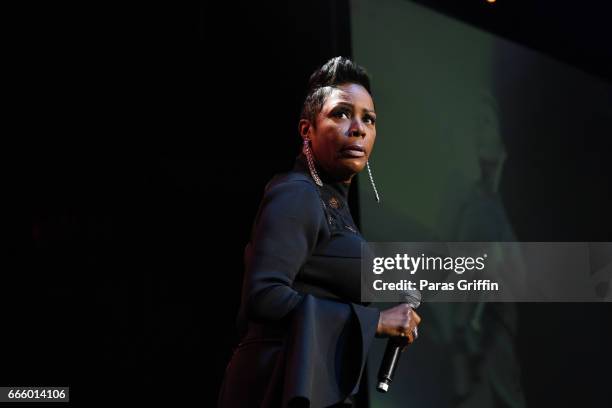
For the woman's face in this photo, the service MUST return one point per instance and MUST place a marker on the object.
(344, 133)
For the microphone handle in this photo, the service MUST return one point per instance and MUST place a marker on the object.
(390, 362)
(391, 358)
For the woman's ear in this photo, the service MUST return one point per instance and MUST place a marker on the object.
(304, 128)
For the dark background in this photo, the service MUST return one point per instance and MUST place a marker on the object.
(159, 126)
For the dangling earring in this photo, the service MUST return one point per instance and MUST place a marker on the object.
(372, 181)
(311, 166)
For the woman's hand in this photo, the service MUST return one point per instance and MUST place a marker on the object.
(400, 320)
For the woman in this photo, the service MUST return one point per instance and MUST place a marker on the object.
(305, 333)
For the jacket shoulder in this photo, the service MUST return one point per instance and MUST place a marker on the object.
(292, 177)
(292, 182)
(293, 194)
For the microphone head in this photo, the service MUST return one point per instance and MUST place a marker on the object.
(412, 297)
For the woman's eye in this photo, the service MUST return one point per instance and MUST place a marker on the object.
(341, 114)
(370, 119)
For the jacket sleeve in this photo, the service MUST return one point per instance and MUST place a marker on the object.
(285, 233)
(323, 357)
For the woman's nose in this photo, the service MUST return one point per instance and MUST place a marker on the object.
(357, 128)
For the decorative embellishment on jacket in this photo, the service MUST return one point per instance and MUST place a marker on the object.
(334, 203)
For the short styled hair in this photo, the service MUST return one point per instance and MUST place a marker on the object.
(337, 71)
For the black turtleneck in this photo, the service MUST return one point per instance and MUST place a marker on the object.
(301, 296)
(339, 187)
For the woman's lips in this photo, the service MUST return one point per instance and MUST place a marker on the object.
(353, 151)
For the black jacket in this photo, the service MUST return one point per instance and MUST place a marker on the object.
(305, 333)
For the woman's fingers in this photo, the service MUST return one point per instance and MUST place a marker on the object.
(400, 320)
(409, 327)
(409, 339)
(417, 318)
(411, 321)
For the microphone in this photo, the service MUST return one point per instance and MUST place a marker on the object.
(394, 347)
